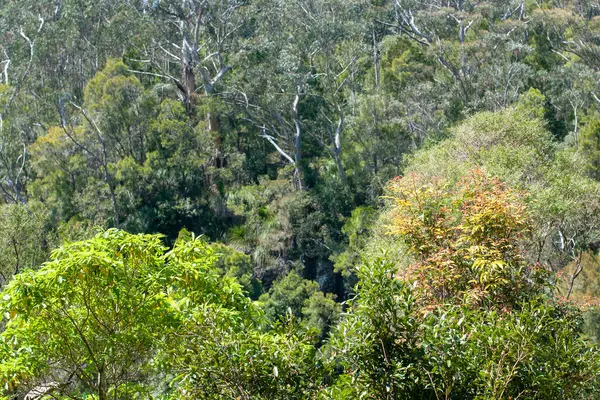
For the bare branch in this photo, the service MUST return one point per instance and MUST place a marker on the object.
(279, 149)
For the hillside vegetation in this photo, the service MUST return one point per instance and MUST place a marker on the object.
(299, 199)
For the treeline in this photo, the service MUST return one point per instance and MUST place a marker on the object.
(275, 131)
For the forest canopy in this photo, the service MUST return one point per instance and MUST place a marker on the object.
(309, 199)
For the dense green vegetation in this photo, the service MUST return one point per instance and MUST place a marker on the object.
(309, 199)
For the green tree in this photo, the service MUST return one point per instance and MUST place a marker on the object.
(120, 316)
(590, 145)
(24, 238)
(88, 320)
(301, 298)
(465, 240)
(408, 334)
(562, 198)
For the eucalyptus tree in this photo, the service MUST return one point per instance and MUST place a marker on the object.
(337, 32)
(13, 144)
(299, 87)
(191, 44)
(469, 53)
(103, 128)
(48, 51)
(24, 238)
(70, 42)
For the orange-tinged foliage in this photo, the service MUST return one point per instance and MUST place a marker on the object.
(464, 239)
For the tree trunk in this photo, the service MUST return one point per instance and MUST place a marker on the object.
(101, 385)
(337, 147)
(375, 60)
(188, 76)
(298, 142)
(298, 156)
(340, 167)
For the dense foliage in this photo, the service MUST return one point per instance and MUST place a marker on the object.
(388, 199)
